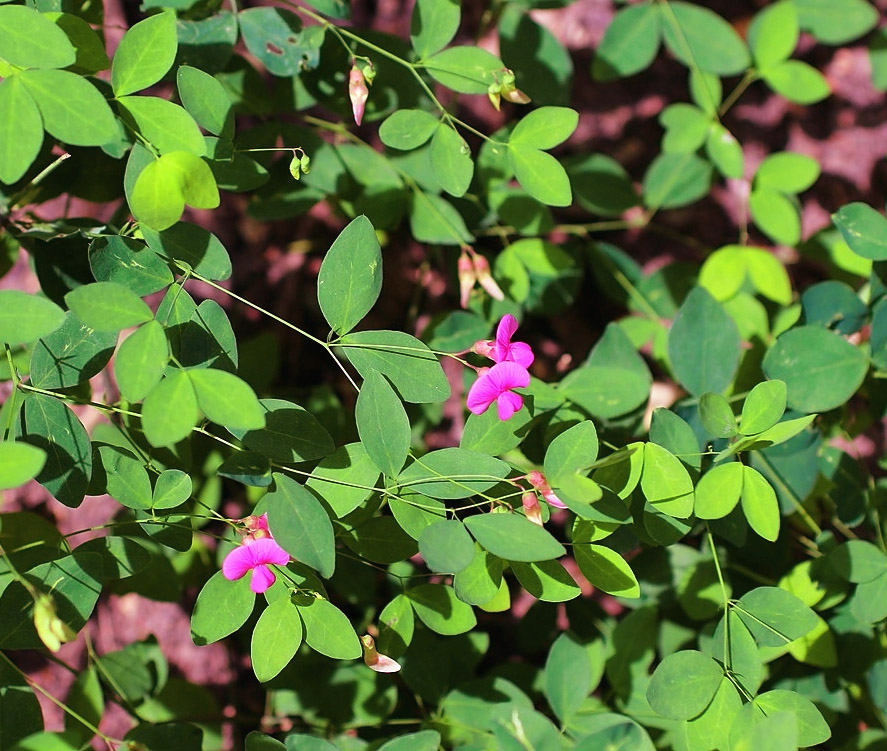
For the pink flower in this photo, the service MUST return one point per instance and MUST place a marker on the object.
(531, 507)
(494, 385)
(357, 92)
(538, 481)
(255, 554)
(503, 349)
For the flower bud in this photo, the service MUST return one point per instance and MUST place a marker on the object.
(357, 92)
(508, 79)
(375, 661)
(538, 481)
(467, 278)
(369, 73)
(493, 92)
(483, 347)
(305, 164)
(51, 629)
(531, 507)
(485, 278)
(516, 96)
(295, 167)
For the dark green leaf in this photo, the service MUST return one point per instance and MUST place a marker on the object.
(698, 36)
(513, 537)
(453, 473)
(276, 638)
(301, 526)
(222, 607)
(70, 355)
(683, 684)
(128, 262)
(433, 25)
(382, 424)
(446, 546)
(291, 434)
(438, 608)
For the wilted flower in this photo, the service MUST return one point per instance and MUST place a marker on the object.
(257, 551)
(357, 92)
(538, 481)
(467, 278)
(375, 661)
(494, 385)
(485, 277)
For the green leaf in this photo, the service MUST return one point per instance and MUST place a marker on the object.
(774, 616)
(703, 344)
(86, 700)
(788, 172)
(797, 81)
(141, 360)
(424, 740)
(718, 491)
(763, 407)
(145, 53)
(821, 369)
(614, 380)
(350, 276)
(291, 434)
(858, 561)
(607, 570)
(773, 34)
(438, 608)
(108, 306)
(812, 727)
(381, 539)
(31, 40)
(345, 478)
(759, 504)
(222, 607)
(863, 229)
(328, 630)
(130, 263)
(736, 646)
(435, 220)
(276, 37)
(206, 101)
(724, 151)
(126, 478)
(451, 160)
(226, 399)
(548, 581)
(601, 184)
(382, 424)
(513, 537)
(574, 450)
(487, 433)
(196, 247)
(408, 129)
(88, 45)
(453, 473)
(699, 37)
(446, 546)
(72, 109)
(684, 684)
(836, 23)
(24, 318)
(675, 434)
(567, 676)
(541, 175)
(479, 582)
(173, 488)
(396, 626)
(686, 127)
(45, 422)
(717, 415)
(301, 526)
(163, 188)
(19, 462)
(165, 125)
(544, 128)
(467, 70)
(412, 368)
(433, 25)
(276, 638)
(674, 180)
(666, 482)
(630, 42)
(169, 411)
(21, 128)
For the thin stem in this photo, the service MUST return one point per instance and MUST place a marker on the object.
(749, 77)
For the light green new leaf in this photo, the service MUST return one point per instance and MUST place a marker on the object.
(438, 608)
(513, 537)
(226, 399)
(206, 101)
(630, 42)
(724, 151)
(21, 129)
(788, 172)
(684, 684)
(666, 483)
(345, 478)
(276, 638)
(412, 368)
(24, 318)
(108, 306)
(698, 36)
(545, 128)
(382, 424)
(31, 40)
(453, 473)
(73, 110)
(451, 161)
(674, 180)
(607, 570)
(222, 607)
(718, 491)
(686, 128)
(408, 129)
(863, 229)
(776, 215)
(145, 53)
(541, 175)
(759, 504)
(166, 125)
(170, 411)
(350, 276)
(328, 630)
(141, 360)
(301, 526)
(833, 22)
(797, 81)
(19, 462)
(433, 25)
(165, 185)
(773, 34)
(567, 676)
(467, 70)
(172, 488)
(763, 407)
(775, 616)
(574, 450)
(717, 416)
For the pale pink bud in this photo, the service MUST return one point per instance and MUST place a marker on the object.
(538, 481)
(467, 278)
(357, 92)
(485, 278)
(531, 507)
(483, 347)
(375, 661)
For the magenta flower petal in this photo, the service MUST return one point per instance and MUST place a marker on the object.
(508, 404)
(509, 375)
(505, 330)
(504, 350)
(482, 394)
(237, 563)
(522, 354)
(262, 578)
(266, 550)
